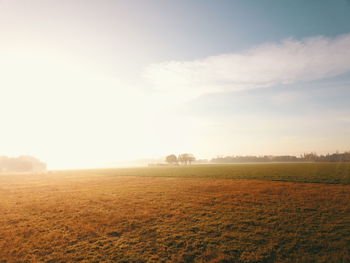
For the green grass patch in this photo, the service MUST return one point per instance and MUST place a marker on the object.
(330, 173)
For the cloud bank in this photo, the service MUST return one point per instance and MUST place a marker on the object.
(285, 62)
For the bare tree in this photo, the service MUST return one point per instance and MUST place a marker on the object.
(186, 158)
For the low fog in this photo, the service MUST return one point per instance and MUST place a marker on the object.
(21, 164)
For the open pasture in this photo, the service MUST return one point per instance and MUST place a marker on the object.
(117, 216)
(330, 173)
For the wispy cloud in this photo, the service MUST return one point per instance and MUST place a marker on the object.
(288, 61)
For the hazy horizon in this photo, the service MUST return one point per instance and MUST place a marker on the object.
(90, 83)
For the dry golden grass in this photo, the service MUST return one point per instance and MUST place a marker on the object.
(100, 218)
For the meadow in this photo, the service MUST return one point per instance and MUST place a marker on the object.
(330, 173)
(294, 212)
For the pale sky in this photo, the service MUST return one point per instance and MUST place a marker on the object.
(94, 83)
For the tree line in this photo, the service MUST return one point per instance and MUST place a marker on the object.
(21, 164)
(185, 159)
(306, 157)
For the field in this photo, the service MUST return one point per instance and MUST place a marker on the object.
(330, 173)
(219, 213)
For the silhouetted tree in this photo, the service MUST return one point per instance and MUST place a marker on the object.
(186, 158)
(191, 158)
(172, 159)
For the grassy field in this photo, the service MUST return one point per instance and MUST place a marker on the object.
(179, 214)
(330, 173)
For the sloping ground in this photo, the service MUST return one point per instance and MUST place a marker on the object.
(88, 218)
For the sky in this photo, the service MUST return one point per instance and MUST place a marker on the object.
(95, 83)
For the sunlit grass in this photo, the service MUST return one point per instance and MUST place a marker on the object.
(100, 217)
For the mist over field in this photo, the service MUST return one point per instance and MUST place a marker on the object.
(93, 84)
(175, 131)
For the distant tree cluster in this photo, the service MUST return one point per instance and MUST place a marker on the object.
(306, 157)
(185, 159)
(254, 159)
(334, 157)
(21, 164)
